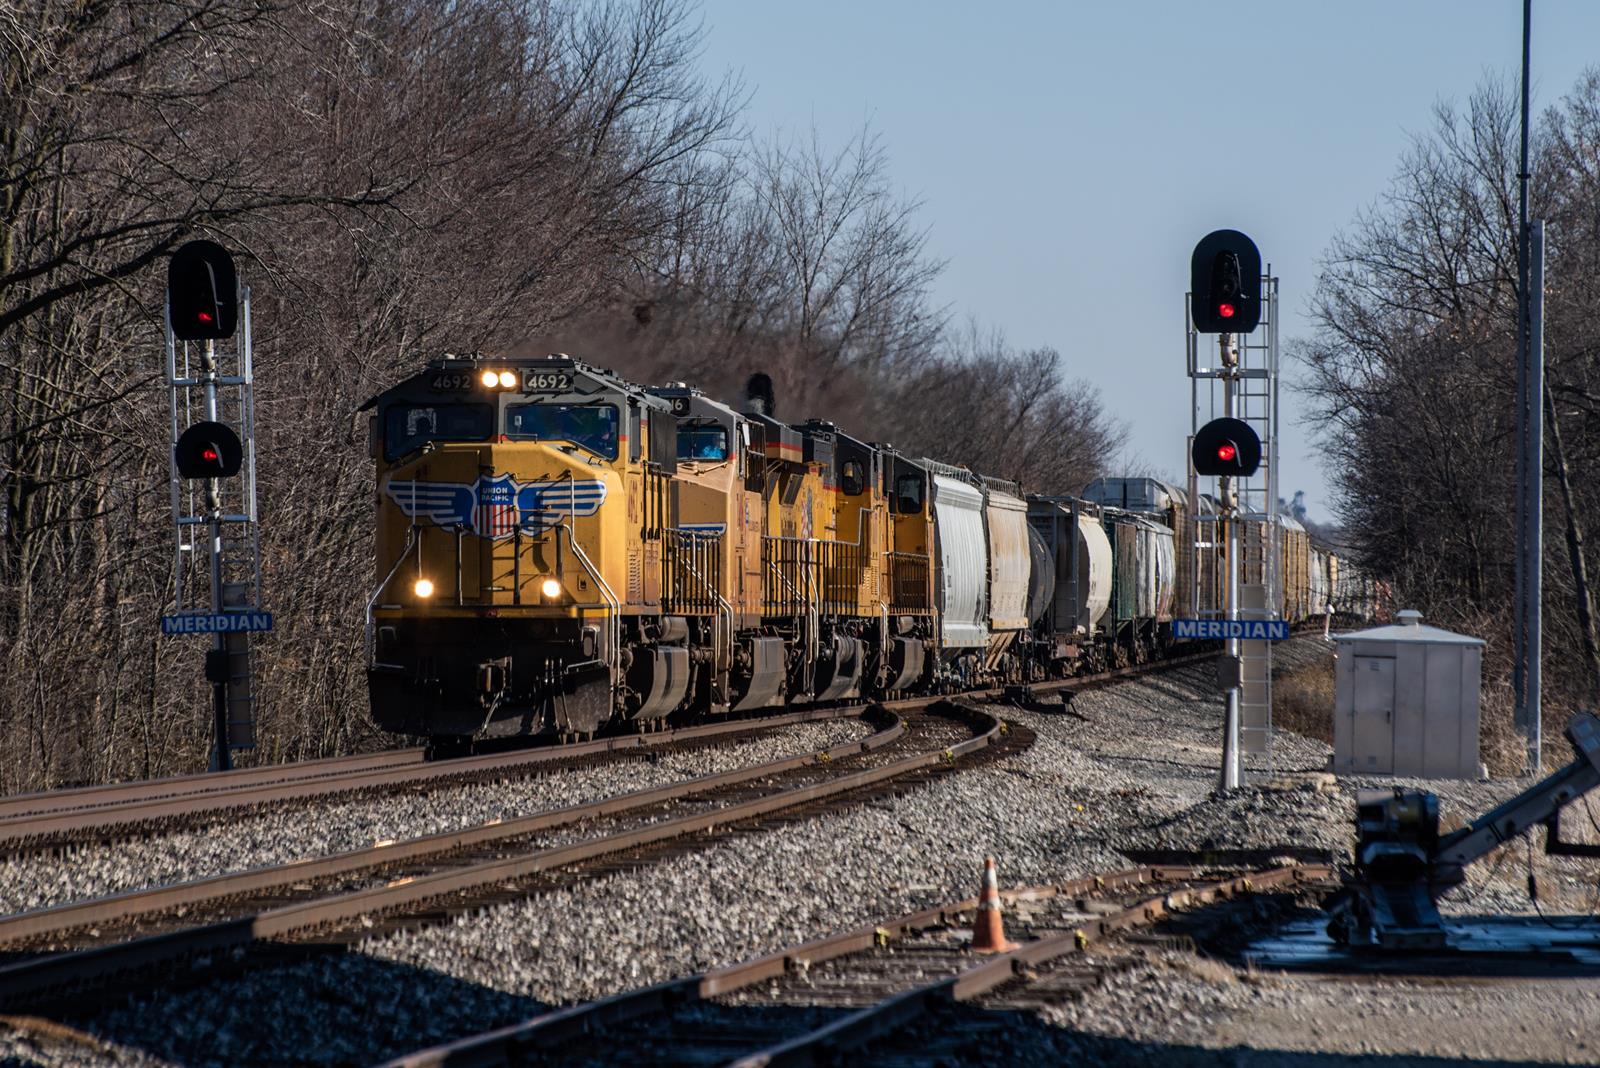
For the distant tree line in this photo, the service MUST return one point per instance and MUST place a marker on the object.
(398, 180)
(1413, 373)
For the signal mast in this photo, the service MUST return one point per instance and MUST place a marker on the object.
(1226, 298)
(217, 582)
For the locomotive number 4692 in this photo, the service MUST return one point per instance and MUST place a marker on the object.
(546, 381)
(453, 380)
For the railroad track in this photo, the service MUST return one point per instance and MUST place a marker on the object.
(89, 945)
(49, 820)
(120, 941)
(129, 809)
(866, 990)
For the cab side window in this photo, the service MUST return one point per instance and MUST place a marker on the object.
(852, 478)
(908, 495)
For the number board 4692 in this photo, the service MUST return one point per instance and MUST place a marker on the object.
(453, 381)
(546, 381)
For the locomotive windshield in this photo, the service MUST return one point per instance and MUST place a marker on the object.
(410, 426)
(592, 426)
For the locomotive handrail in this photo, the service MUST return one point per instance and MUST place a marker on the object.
(905, 569)
(805, 564)
(613, 605)
(724, 653)
(772, 565)
(371, 625)
(813, 617)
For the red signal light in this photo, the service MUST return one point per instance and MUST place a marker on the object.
(1225, 310)
(1226, 452)
(208, 450)
(205, 317)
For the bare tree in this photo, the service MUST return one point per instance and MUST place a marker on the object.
(850, 258)
(398, 178)
(1002, 412)
(1412, 369)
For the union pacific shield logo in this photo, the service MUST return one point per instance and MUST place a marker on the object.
(496, 506)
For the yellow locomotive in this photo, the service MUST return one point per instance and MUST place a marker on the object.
(559, 549)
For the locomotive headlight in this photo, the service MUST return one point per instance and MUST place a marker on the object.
(423, 588)
(507, 379)
(550, 588)
(490, 379)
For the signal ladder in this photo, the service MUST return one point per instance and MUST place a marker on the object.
(204, 381)
(1250, 369)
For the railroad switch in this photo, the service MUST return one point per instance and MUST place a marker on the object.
(1404, 864)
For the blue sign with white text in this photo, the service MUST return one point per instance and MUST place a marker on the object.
(217, 623)
(1271, 630)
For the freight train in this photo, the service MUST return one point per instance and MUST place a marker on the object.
(559, 550)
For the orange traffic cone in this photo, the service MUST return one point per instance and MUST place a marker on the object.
(988, 927)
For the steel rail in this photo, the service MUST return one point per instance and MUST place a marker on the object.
(45, 829)
(53, 977)
(87, 797)
(60, 920)
(506, 1045)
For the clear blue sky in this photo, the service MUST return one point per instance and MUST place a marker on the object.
(1069, 155)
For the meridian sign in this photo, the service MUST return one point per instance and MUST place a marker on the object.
(216, 623)
(1272, 630)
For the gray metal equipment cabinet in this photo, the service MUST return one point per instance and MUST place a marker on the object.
(1407, 701)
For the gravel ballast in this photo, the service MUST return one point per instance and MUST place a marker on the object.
(320, 829)
(1124, 758)
(1125, 768)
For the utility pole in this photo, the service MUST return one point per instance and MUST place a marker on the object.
(1534, 465)
(1527, 592)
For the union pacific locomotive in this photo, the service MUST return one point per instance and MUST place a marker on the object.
(559, 550)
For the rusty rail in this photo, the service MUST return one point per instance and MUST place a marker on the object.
(118, 793)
